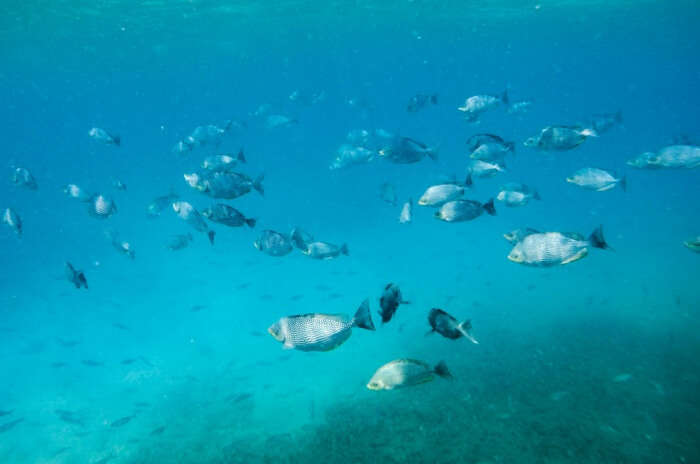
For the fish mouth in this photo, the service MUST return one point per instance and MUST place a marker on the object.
(514, 259)
(372, 387)
(570, 180)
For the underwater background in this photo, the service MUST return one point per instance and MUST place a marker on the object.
(592, 362)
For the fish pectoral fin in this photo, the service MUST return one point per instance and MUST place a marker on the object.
(607, 187)
(287, 346)
(581, 254)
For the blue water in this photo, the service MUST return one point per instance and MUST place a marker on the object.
(591, 362)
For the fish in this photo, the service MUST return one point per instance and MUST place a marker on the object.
(278, 120)
(517, 235)
(603, 122)
(389, 302)
(484, 169)
(420, 101)
(404, 150)
(348, 155)
(121, 422)
(73, 191)
(438, 195)
(223, 162)
(387, 192)
(193, 218)
(121, 246)
(6, 412)
(519, 107)
(693, 244)
(476, 140)
(179, 241)
(402, 373)
(546, 249)
(119, 326)
(159, 204)
(560, 138)
(10, 425)
(464, 210)
(273, 243)
(57, 365)
(92, 363)
(325, 250)
(182, 147)
(105, 137)
(477, 105)
(449, 327)
(12, 220)
(406, 212)
(157, 431)
(101, 206)
(224, 184)
(70, 417)
(76, 277)
(198, 308)
(307, 99)
(319, 332)
(119, 185)
(23, 178)
(227, 215)
(207, 135)
(672, 157)
(67, 343)
(300, 239)
(515, 194)
(597, 179)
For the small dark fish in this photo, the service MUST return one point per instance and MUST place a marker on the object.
(10, 425)
(334, 296)
(227, 215)
(70, 417)
(197, 308)
(121, 422)
(56, 365)
(243, 286)
(241, 397)
(128, 361)
(67, 343)
(420, 101)
(449, 327)
(390, 301)
(77, 278)
(157, 430)
(6, 413)
(91, 363)
(296, 297)
(120, 326)
(256, 333)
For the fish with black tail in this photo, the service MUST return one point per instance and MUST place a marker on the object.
(464, 210)
(555, 248)
(448, 326)
(105, 137)
(389, 302)
(75, 276)
(402, 373)
(227, 215)
(319, 332)
(191, 216)
(325, 250)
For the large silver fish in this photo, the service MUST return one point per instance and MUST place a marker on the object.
(555, 248)
(464, 210)
(191, 216)
(13, 221)
(101, 206)
(560, 138)
(319, 332)
(24, 178)
(405, 373)
(476, 105)
(597, 179)
(674, 156)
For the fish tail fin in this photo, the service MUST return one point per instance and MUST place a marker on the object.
(433, 153)
(442, 370)
(250, 222)
(489, 208)
(363, 317)
(117, 140)
(211, 235)
(465, 329)
(597, 240)
(241, 156)
(623, 183)
(469, 181)
(434, 99)
(504, 97)
(257, 184)
(344, 249)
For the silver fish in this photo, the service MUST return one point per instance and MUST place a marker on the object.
(319, 332)
(438, 195)
(227, 215)
(227, 185)
(23, 178)
(464, 210)
(101, 206)
(191, 216)
(73, 191)
(519, 107)
(324, 250)
(515, 194)
(348, 155)
(387, 192)
(278, 120)
(178, 242)
(547, 249)
(406, 212)
(404, 150)
(484, 169)
(597, 179)
(693, 244)
(674, 156)
(105, 137)
(405, 373)
(476, 105)
(223, 162)
(273, 243)
(12, 220)
(603, 122)
(159, 204)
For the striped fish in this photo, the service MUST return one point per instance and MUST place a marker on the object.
(319, 332)
(555, 248)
